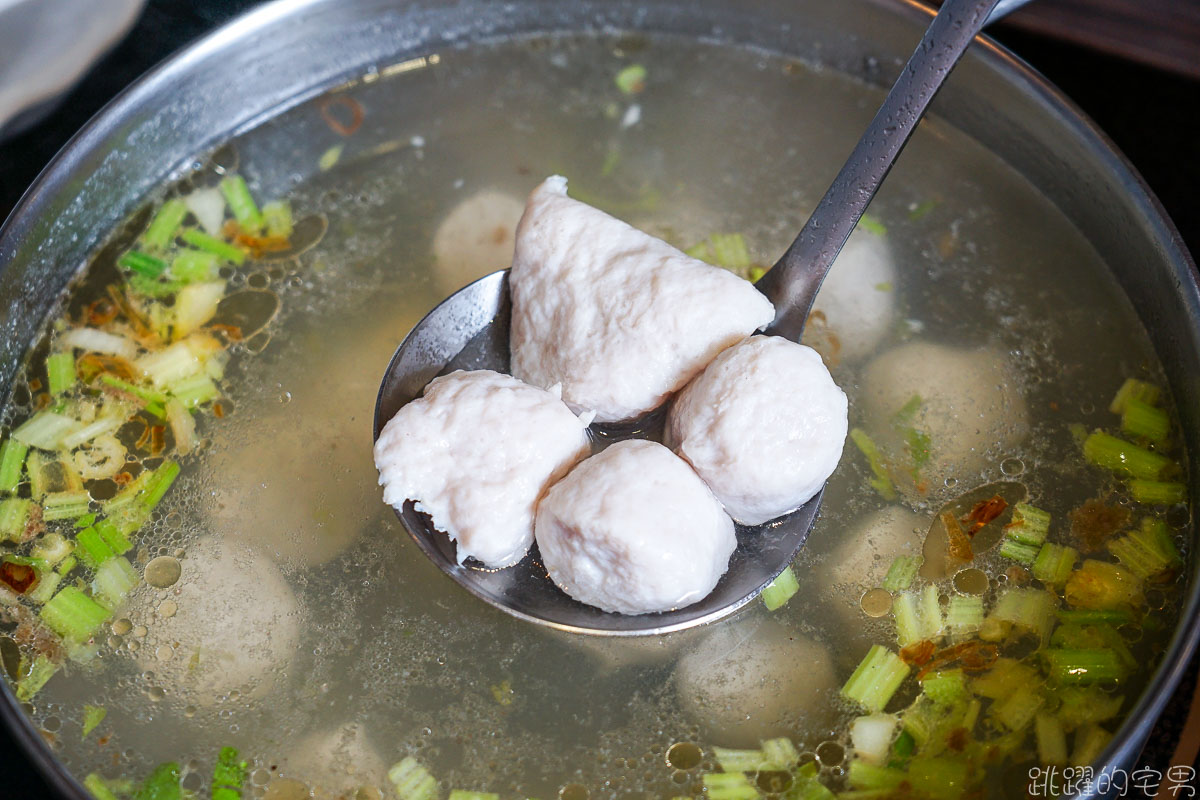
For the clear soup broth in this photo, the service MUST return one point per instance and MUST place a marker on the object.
(319, 642)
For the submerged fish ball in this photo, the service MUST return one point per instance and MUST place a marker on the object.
(336, 763)
(476, 452)
(633, 530)
(475, 238)
(866, 552)
(763, 425)
(753, 679)
(856, 305)
(619, 318)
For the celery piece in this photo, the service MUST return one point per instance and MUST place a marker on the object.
(907, 614)
(142, 264)
(1100, 585)
(14, 518)
(1085, 705)
(195, 391)
(740, 760)
(1138, 390)
(872, 737)
(112, 536)
(195, 305)
(805, 787)
(1024, 536)
(1090, 742)
(1157, 493)
(780, 590)
(1051, 740)
(780, 753)
(964, 615)
(330, 158)
(277, 216)
(72, 614)
(730, 251)
(938, 778)
(162, 229)
(1054, 563)
(1116, 616)
(864, 775)
(161, 784)
(1019, 551)
(194, 266)
(45, 430)
(1073, 636)
(153, 287)
(1083, 667)
(95, 784)
(945, 687)
(903, 748)
(140, 392)
(631, 79)
(901, 573)
(1027, 609)
(92, 430)
(35, 468)
(114, 580)
(917, 212)
(727, 786)
(876, 679)
(463, 794)
(60, 372)
(223, 249)
(229, 774)
(752, 275)
(244, 209)
(931, 613)
(1016, 710)
(69, 563)
(1144, 421)
(40, 671)
(699, 251)
(65, 505)
(1004, 678)
(882, 482)
(47, 585)
(1148, 552)
(92, 548)
(872, 225)
(1120, 456)
(169, 365)
(51, 548)
(12, 460)
(412, 781)
(159, 482)
(92, 716)
(86, 521)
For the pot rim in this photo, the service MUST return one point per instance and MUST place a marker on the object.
(1138, 722)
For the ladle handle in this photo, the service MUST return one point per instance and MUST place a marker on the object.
(792, 284)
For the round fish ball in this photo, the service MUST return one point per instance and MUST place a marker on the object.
(763, 425)
(861, 561)
(620, 319)
(753, 679)
(476, 453)
(970, 406)
(231, 623)
(475, 238)
(856, 306)
(634, 530)
(336, 763)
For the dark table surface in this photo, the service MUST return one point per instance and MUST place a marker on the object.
(1149, 114)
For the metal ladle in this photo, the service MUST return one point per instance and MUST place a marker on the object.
(470, 330)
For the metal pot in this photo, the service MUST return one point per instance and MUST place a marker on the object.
(290, 50)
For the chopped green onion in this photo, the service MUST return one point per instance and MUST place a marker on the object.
(1145, 421)
(780, 590)
(964, 614)
(728, 786)
(114, 580)
(1090, 742)
(73, 615)
(882, 482)
(1134, 389)
(92, 716)
(244, 209)
(45, 430)
(1054, 563)
(412, 781)
(14, 517)
(1149, 551)
(938, 778)
(901, 573)
(1157, 493)
(142, 264)
(631, 79)
(162, 784)
(223, 249)
(95, 784)
(1099, 585)
(1084, 666)
(1120, 456)
(165, 224)
(92, 548)
(194, 266)
(277, 216)
(740, 760)
(229, 774)
(142, 393)
(864, 775)
(40, 671)
(876, 679)
(872, 225)
(65, 505)
(1024, 536)
(60, 372)
(12, 459)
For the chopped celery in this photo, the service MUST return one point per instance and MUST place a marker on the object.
(1144, 421)
(86, 521)
(12, 459)
(728, 786)
(1149, 551)
(1115, 616)
(277, 216)
(780, 590)
(142, 264)
(463, 794)
(807, 787)
(872, 737)
(1099, 585)
(412, 781)
(194, 266)
(65, 505)
(631, 79)
(938, 778)
(945, 687)
(964, 615)
(40, 671)
(169, 365)
(1138, 390)
(14, 518)
(1030, 610)
(780, 753)
(52, 548)
(93, 430)
(195, 390)
(158, 484)
(99, 790)
(1073, 636)
(60, 372)
(114, 580)
(730, 251)
(876, 679)
(140, 392)
(72, 614)
(1005, 677)
(1085, 705)
(1016, 710)
(740, 760)
(1054, 563)
(161, 784)
(901, 573)
(918, 616)
(865, 775)
(183, 426)
(92, 716)
(46, 587)
(244, 209)
(116, 540)
(69, 563)
(45, 430)
(1083, 667)
(92, 548)
(1051, 740)
(1120, 456)
(196, 304)
(1090, 742)
(1157, 493)
(1024, 536)
(330, 158)
(229, 774)
(872, 225)
(221, 248)
(882, 482)
(162, 229)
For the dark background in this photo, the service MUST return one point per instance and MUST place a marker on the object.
(1149, 112)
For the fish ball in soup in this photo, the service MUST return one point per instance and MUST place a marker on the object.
(763, 426)
(475, 238)
(333, 763)
(865, 554)
(856, 306)
(634, 530)
(753, 679)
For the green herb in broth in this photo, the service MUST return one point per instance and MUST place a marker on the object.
(393, 667)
